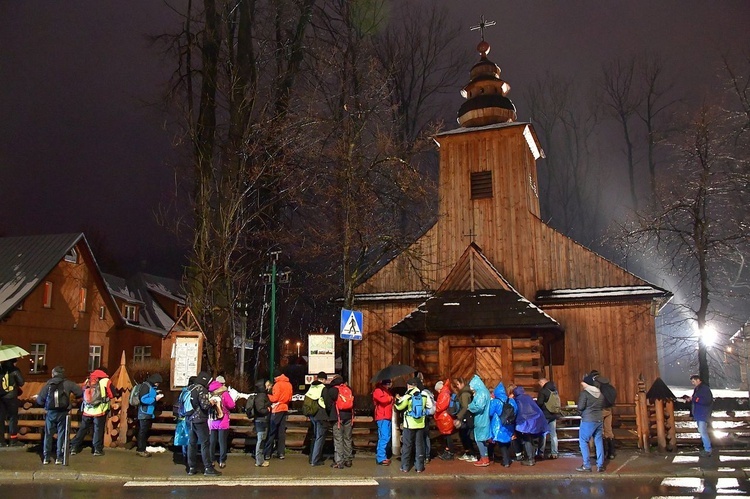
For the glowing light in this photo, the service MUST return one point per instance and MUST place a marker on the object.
(708, 335)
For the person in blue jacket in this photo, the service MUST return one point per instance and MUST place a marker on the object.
(480, 407)
(148, 394)
(500, 434)
(531, 424)
(702, 401)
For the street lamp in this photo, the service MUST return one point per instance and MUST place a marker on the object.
(299, 343)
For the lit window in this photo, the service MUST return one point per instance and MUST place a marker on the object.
(47, 299)
(95, 357)
(141, 353)
(130, 313)
(37, 354)
(102, 312)
(71, 256)
(82, 300)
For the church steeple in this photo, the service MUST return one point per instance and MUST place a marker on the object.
(486, 93)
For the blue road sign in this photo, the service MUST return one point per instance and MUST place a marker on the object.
(351, 324)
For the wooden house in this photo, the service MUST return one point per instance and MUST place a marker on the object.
(58, 305)
(490, 288)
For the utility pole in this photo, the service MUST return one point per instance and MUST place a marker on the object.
(272, 325)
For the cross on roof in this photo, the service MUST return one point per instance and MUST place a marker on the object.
(471, 234)
(482, 24)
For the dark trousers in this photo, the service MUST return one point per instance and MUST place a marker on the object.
(87, 422)
(9, 411)
(409, 440)
(199, 435)
(319, 437)
(505, 452)
(277, 434)
(144, 426)
(449, 443)
(220, 437)
(54, 422)
(464, 434)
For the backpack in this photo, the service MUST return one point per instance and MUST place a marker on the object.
(135, 396)
(185, 407)
(553, 404)
(311, 404)
(7, 383)
(345, 400)
(610, 394)
(417, 409)
(92, 394)
(454, 407)
(250, 406)
(430, 405)
(57, 397)
(508, 414)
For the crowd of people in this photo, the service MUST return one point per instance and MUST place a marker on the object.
(504, 426)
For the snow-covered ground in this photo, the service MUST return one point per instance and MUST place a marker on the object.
(679, 391)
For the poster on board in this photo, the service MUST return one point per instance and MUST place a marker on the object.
(321, 353)
(186, 352)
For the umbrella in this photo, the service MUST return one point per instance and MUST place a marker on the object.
(8, 352)
(392, 371)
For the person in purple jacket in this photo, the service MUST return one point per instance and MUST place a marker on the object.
(702, 400)
(531, 425)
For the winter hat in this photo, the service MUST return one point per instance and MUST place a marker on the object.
(220, 379)
(439, 385)
(589, 379)
(413, 382)
(154, 379)
(58, 372)
(203, 378)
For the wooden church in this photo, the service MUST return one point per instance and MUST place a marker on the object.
(490, 288)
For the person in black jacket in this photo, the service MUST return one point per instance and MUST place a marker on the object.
(262, 410)
(609, 394)
(546, 391)
(199, 427)
(56, 390)
(319, 420)
(11, 376)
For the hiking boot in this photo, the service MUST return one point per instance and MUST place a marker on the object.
(446, 456)
(192, 471)
(583, 469)
(704, 453)
(530, 462)
(98, 453)
(482, 463)
(464, 457)
(212, 472)
(472, 459)
(143, 454)
(600, 469)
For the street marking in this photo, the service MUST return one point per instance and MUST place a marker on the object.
(630, 460)
(257, 482)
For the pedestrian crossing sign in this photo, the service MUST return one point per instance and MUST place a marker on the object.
(351, 324)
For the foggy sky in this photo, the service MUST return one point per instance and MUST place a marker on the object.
(82, 145)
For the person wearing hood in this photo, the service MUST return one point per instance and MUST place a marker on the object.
(148, 395)
(341, 420)
(548, 390)
(530, 422)
(55, 398)
(262, 410)
(382, 398)
(201, 402)
(412, 449)
(480, 407)
(444, 419)
(12, 381)
(590, 403)
(319, 420)
(219, 428)
(280, 396)
(94, 411)
(502, 434)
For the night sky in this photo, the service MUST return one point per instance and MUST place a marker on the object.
(83, 144)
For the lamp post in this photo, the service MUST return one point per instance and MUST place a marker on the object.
(298, 345)
(272, 325)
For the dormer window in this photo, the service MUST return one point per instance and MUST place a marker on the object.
(130, 312)
(71, 256)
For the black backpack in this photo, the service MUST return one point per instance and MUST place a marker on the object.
(57, 397)
(610, 394)
(508, 414)
(250, 406)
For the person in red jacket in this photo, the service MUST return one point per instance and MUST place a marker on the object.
(94, 412)
(280, 396)
(382, 397)
(443, 417)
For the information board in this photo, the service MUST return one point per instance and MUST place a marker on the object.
(186, 354)
(321, 353)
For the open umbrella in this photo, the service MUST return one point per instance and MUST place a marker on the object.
(392, 371)
(8, 352)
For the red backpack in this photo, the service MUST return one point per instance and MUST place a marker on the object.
(345, 400)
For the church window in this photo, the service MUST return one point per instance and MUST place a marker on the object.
(481, 184)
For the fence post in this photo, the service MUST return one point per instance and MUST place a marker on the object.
(66, 441)
(661, 436)
(671, 427)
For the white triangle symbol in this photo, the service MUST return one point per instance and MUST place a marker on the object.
(352, 328)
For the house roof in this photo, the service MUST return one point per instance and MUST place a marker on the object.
(26, 260)
(473, 310)
(607, 293)
(475, 296)
(138, 290)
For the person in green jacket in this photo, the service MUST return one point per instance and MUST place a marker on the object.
(414, 404)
